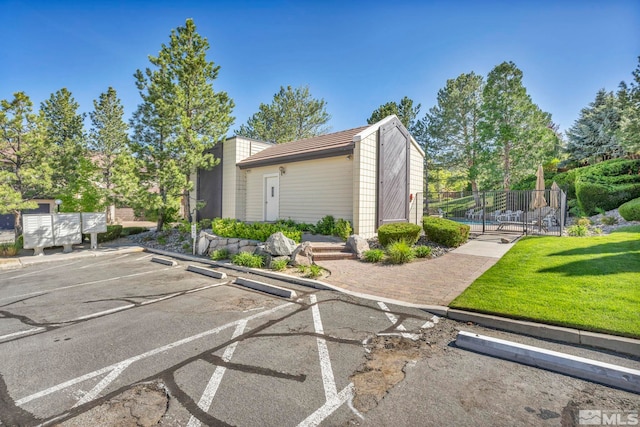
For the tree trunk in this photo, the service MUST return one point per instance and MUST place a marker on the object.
(506, 183)
(17, 224)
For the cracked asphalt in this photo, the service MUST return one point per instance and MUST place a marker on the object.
(119, 340)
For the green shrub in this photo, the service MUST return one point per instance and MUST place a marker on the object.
(577, 230)
(302, 269)
(373, 255)
(219, 254)
(245, 259)
(187, 246)
(445, 232)
(596, 230)
(279, 264)
(8, 249)
(398, 231)
(609, 220)
(326, 225)
(399, 252)
(314, 271)
(113, 232)
(630, 211)
(130, 231)
(342, 229)
(422, 251)
(607, 185)
(204, 224)
(226, 227)
(583, 221)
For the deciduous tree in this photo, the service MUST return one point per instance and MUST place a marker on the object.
(293, 114)
(25, 173)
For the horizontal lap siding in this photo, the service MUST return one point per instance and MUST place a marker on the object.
(309, 190)
(312, 189)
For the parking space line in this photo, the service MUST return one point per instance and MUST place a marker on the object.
(83, 284)
(145, 355)
(95, 391)
(431, 322)
(17, 334)
(103, 262)
(102, 313)
(214, 382)
(31, 273)
(393, 319)
(141, 258)
(328, 380)
(329, 407)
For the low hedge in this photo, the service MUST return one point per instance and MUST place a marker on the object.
(113, 232)
(630, 210)
(398, 231)
(226, 227)
(445, 232)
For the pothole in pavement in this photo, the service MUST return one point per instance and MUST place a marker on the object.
(140, 406)
(384, 368)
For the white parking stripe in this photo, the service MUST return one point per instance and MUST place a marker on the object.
(216, 378)
(102, 313)
(95, 264)
(95, 391)
(328, 380)
(17, 334)
(44, 269)
(141, 258)
(145, 355)
(83, 284)
(393, 319)
(328, 408)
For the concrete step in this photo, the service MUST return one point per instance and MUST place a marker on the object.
(329, 247)
(332, 256)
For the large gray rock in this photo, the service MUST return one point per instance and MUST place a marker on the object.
(202, 246)
(302, 255)
(280, 245)
(357, 245)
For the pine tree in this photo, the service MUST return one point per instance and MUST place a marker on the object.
(292, 115)
(25, 173)
(516, 133)
(629, 101)
(109, 145)
(404, 110)
(181, 117)
(594, 135)
(73, 173)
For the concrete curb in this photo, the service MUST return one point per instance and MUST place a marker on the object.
(618, 344)
(591, 370)
(164, 261)
(206, 272)
(265, 287)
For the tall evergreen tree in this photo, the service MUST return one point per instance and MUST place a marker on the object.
(452, 126)
(181, 116)
(73, 173)
(594, 135)
(629, 101)
(25, 173)
(517, 134)
(108, 142)
(404, 110)
(293, 114)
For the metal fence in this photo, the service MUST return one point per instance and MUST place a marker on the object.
(513, 211)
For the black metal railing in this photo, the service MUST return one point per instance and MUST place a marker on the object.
(513, 211)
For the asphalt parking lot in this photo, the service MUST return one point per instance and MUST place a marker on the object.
(120, 340)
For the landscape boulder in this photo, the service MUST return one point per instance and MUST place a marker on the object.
(280, 245)
(302, 255)
(357, 245)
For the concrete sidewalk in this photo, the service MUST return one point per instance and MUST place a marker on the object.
(425, 281)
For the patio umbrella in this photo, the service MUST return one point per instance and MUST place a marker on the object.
(554, 197)
(539, 201)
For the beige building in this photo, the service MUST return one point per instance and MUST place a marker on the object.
(369, 175)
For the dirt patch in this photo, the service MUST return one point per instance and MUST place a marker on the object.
(141, 406)
(384, 368)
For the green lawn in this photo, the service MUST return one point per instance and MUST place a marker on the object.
(590, 283)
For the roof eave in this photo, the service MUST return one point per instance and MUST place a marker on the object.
(298, 157)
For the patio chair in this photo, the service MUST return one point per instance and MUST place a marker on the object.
(517, 215)
(495, 214)
(478, 214)
(469, 213)
(506, 216)
(551, 219)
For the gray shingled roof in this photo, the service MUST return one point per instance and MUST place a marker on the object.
(333, 144)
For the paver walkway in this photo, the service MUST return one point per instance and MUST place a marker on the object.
(425, 281)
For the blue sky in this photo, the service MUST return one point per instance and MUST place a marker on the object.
(356, 55)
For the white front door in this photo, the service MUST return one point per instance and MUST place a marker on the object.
(271, 198)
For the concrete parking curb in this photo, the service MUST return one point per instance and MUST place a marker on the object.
(604, 373)
(206, 272)
(265, 287)
(618, 344)
(163, 261)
